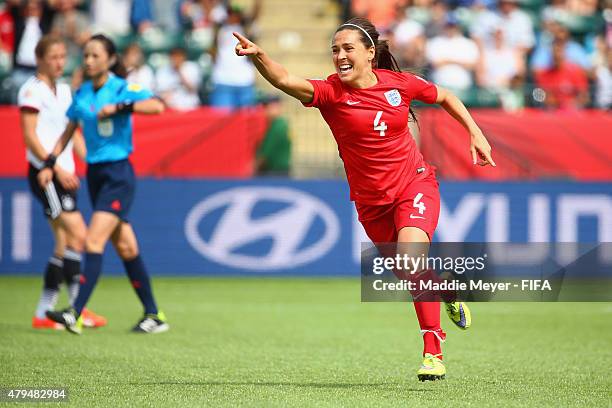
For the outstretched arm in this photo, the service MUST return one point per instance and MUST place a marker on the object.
(274, 72)
(479, 146)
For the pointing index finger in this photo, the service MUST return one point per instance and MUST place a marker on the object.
(243, 40)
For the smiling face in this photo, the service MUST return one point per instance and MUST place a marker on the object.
(352, 59)
(96, 59)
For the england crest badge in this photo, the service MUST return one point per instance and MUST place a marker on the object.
(393, 97)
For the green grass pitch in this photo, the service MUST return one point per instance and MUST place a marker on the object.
(304, 342)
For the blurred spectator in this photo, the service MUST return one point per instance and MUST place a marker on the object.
(436, 24)
(582, 7)
(178, 83)
(273, 155)
(408, 41)
(499, 65)
(111, 17)
(72, 25)
(166, 15)
(453, 57)
(603, 79)
(556, 11)
(202, 13)
(138, 72)
(574, 52)
(479, 11)
(32, 19)
(501, 70)
(345, 10)
(7, 30)
(564, 83)
(141, 15)
(518, 30)
(233, 78)
(471, 3)
(382, 13)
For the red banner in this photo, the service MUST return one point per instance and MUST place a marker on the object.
(532, 144)
(204, 142)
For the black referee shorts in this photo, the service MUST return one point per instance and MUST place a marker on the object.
(54, 198)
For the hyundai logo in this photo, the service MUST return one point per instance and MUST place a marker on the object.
(287, 227)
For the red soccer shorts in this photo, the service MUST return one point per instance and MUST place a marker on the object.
(418, 206)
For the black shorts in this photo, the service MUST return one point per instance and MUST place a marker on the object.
(111, 187)
(54, 199)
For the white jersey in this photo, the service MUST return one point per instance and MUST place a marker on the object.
(52, 120)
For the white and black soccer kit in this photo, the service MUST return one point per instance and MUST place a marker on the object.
(51, 106)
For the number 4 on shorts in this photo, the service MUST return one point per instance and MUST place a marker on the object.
(418, 204)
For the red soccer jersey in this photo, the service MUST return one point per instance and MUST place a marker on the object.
(564, 83)
(371, 129)
(7, 31)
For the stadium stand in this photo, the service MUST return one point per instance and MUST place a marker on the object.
(297, 33)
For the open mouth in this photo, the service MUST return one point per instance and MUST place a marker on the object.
(345, 68)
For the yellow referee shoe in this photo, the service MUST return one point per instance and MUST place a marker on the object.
(432, 368)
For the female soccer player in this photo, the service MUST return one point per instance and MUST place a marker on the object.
(103, 106)
(43, 103)
(366, 103)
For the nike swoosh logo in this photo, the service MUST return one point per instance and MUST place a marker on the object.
(416, 216)
(353, 102)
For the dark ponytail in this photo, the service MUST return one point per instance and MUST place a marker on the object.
(117, 68)
(383, 58)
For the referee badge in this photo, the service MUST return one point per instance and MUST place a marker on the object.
(393, 97)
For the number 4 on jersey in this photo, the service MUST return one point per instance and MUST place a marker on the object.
(378, 125)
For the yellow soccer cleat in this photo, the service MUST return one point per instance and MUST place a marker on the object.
(460, 314)
(432, 368)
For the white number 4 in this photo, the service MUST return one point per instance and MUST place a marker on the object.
(382, 126)
(418, 204)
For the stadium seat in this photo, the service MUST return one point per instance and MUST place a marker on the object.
(581, 25)
(157, 60)
(198, 41)
(535, 5)
(155, 40)
(122, 41)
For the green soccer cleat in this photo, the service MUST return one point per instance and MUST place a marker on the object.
(432, 368)
(460, 314)
(68, 319)
(152, 323)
